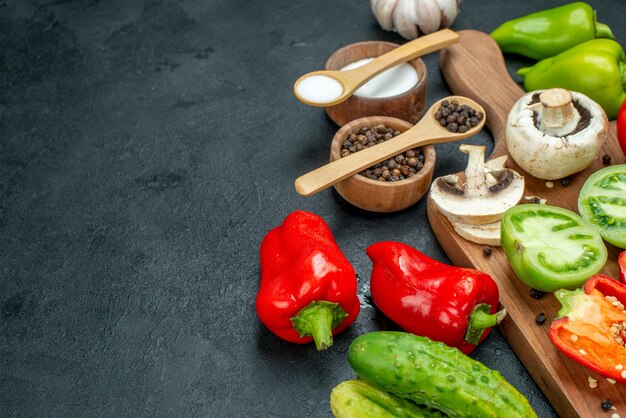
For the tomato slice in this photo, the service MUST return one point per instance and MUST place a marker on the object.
(550, 248)
(602, 202)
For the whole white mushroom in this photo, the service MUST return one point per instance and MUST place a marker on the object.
(554, 133)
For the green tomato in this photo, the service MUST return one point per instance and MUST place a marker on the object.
(602, 202)
(551, 248)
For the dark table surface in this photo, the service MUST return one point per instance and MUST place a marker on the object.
(146, 147)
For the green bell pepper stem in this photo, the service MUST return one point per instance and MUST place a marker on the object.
(603, 31)
(480, 319)
(318, 320)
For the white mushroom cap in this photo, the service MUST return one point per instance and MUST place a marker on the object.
(552, 134)
(483, 196)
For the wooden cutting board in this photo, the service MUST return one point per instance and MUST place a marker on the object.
(475, 68)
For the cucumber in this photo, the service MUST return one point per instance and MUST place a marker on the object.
(358, 399)
(432, 374)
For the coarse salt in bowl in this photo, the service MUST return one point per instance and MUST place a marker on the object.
(398, 92)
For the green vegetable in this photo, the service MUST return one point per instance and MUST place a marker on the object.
(358, 399)
(595, 68)
(602, 202)
(550, 248)
(549, 32)
(431, 373)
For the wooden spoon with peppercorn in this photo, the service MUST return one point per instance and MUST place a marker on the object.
(328, 88)
(450, 119)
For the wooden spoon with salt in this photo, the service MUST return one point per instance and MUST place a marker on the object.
(327, 88)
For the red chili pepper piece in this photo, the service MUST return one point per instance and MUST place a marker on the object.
(308, 287)
(454, 305)
(588, 326)
(621, 261)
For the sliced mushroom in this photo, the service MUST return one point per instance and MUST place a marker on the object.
(554, 133)
(482, 196)
(487, 234)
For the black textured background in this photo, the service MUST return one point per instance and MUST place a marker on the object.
(145, 149)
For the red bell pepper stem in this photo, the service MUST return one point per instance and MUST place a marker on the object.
(564, 297)
(318, 320)
(621, 260)
(480, 320)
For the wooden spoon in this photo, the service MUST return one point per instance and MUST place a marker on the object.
(351, 80)
(426, 131)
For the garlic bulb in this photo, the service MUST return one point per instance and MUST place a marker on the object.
(411, 17)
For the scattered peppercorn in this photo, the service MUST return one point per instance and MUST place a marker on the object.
(456, 117)
(540, 319)
(400, 167)
(565, 182)
(606, 159)
(536, 294)
(487, 250)
(606, 404)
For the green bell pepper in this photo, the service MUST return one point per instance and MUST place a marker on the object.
(595, 68)
(549, 32)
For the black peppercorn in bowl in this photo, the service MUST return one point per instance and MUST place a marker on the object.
(393, 184)
(399, 94)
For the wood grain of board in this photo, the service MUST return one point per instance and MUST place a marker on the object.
(475, 68)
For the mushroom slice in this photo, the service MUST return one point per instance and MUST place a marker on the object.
(487, 234)
(483, 196)
(554, 133)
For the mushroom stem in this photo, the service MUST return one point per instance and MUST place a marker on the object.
(557, 109)
(475, 182)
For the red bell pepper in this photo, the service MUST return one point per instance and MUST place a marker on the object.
(308, 287)
(621, 261)
(454, 305)
(621, 127)
(590, 328)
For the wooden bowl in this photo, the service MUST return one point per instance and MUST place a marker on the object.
(379, 196)
(408, 106)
